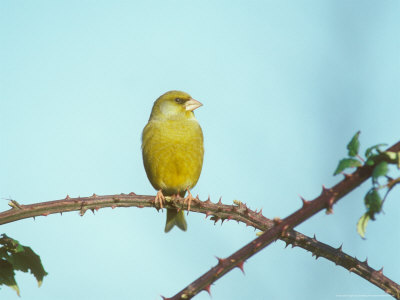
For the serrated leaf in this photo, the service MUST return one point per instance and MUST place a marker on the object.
(19, 258)
(380, 169)
(347, 163)
(370, 150)
(28, 260)
(362, 224)
(354, 145)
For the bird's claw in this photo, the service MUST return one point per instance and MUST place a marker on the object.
(188, 199)
(159, 199)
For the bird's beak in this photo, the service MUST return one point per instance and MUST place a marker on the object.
(192, 104)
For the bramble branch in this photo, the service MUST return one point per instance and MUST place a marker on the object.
(281, 228)
(217, 211)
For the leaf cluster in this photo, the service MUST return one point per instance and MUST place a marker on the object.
(379, 160)
(16, 257)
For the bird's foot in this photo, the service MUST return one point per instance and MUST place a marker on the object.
(188, 199)
(159, 199)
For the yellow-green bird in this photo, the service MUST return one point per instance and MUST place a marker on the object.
(172, 149)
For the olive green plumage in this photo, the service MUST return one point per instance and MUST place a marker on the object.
(172, 148)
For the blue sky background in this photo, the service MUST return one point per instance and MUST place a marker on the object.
(285, 85)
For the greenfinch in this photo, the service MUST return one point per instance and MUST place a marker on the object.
(172, 149)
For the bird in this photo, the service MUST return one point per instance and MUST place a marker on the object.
(173, 151)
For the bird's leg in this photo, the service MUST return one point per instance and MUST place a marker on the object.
(159, 199)
(188, 199)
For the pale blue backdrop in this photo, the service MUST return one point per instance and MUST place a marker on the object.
(285, 84)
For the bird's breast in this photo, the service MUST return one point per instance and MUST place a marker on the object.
(173, 154)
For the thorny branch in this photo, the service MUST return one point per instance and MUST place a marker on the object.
(240, 213)
(218, 211)
(281, 228)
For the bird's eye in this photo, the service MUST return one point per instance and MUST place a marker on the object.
(178, 100)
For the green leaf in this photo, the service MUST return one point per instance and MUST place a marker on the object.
(380, 169)
(347, 163)
(370, 151)
(7, 275)
(373, 202)
(16, 257)
(371, 160)
(362, 225)
(354, 145)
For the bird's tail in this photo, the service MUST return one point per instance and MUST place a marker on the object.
(177, 218)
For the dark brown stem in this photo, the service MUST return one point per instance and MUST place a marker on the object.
(281, 229)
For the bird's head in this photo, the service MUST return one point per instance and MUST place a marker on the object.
(174, 105)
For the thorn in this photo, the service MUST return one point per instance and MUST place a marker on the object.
(314, 239)
(67, 197)
(208, 289)
(340, 248)
(240, 266)
(34, 218)
(60, 213)
(197, 197)
(366, 261)
(316, 255)
(381, 271)
(92, 209)
(208, 213)
(222, 221)
(216, 220)
(346, 176)
(97, 208)
(260, 212)
(219, 201)
(304, 201)
(113, 206)
(208, 201)
(94, 195)
(132, 194)
(229, 218)
(220, 260)
(248, 224)
(45, 214)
